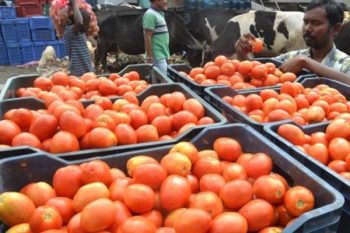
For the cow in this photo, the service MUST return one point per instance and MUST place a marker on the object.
(280, 31)
(122, 30)
(205, 25)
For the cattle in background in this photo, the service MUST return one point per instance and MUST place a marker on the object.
(205, 25)
(280, 31)
(343, 38)
(122, 30)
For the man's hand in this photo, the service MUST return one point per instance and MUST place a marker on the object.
(242, 45)
(295, 64)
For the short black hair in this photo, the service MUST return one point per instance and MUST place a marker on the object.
(334, 11)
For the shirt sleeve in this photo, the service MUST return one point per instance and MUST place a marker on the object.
(286, 56)
(345, 68)
(149, 21)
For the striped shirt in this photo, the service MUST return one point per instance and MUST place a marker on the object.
(154, 21)
(335, 59)
(78, 52)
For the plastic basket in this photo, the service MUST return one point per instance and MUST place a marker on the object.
(8, 28)
(157, 89)
(14, 53)
(27, 49)
(22, 27)
(3, 54)
(7, 12)
(43, 35)
(62, 52)
(335, 180)
(214, 96)
(173, 72)
(328, 202)
(40, 22)
(146, 71)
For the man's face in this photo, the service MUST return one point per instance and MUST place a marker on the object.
(317, 30)
(161, 4)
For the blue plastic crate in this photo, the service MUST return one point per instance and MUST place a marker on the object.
(27, 49)
(40, 22)
(323, 218)
(4, 60)
(321, 170)
(7, 12)
(14, 53)
(1, 39)
(43, 34)
(62, 52)
(214, 96)
(8, 28)
(22, 27)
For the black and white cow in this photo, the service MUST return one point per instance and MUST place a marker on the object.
(280, 31)
(206, 25)
(122, 30)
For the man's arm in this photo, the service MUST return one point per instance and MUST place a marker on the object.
(296, 64)
(148, 45)
(78, 19)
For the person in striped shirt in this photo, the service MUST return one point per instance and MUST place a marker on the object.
(75, 41)
(156, 35)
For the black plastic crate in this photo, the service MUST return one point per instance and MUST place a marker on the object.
(146, 71)
(173, 72)
(158, 89)
(328, 202)
(214, 96)
(334, 179)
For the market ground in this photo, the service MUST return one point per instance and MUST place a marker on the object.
(10, 71)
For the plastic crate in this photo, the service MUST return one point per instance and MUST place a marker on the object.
(27, 49)
(7, 12)
(14, 53)
(334, 179)
(62, 52)
(1, 39)
(214, 96)
(39, 47)
(22, 27)
(323, 218)
(29, 10)
(40, 22)
(8, 28)
(157, 89)
(4, 59)
(147, 72)
(173, 72)
(43, 35)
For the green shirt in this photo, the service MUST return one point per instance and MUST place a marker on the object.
(154, 20)
(335, 59)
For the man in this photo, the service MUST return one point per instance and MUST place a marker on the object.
(156, 35)
(75, 41)
(322, 22)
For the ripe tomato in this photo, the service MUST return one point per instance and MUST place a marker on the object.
(139, 198)
(298, 200)
(45, 218)
(270, 189)
(64, 206)
(137, 224)
(89, 193)
(175, 192)
(229, 220)
(96, 171)
(15, 208)
(67, 180)
(39, 192)
(193, 220)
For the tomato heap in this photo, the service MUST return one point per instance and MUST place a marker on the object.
(331, 147)
(302, 105)
(212, 190)
(238, 74)
(60, 86)
(68, 126)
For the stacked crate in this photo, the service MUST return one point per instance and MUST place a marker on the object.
(6, 12)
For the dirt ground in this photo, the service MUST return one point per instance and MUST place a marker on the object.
(10, 71)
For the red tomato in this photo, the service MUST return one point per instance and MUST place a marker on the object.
(45, 218)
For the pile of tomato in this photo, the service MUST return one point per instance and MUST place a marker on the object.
(331, 147)
(216, 190)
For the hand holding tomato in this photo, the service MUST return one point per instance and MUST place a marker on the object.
(257, 45)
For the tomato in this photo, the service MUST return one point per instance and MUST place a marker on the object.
(96, 171)
(150, 174)
(122, 214)
(207, 201)
(89, 193)
(20, 228)
(67, 180)
(64, 206)
(137, 224)
(39, 192)
(229, 220)
(139, 198)
(74, 226)
(45, 218)
(98, 215)
(155, 216)
(175, 192)
(15, 208)
(270, 189)
(193, 220)
(236, 193)
(299, 200)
